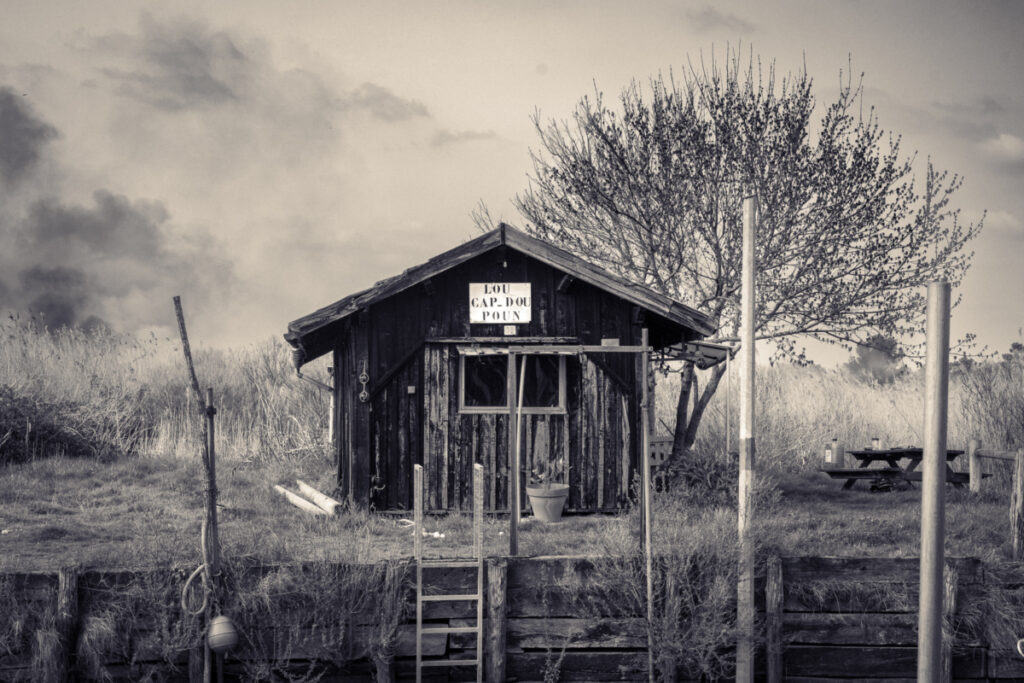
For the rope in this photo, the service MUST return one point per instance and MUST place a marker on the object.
(203, 569)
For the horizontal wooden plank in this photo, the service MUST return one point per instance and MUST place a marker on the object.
(866, 662)
(308, 643)
(861, 472)
(880, 569)
(1003, 663)
(850, 629)
(821, 679)
(528, 667)
(997, 455)
(871, 662)
(575, 634)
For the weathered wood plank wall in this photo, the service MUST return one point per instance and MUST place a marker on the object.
(838, 618)
(377, 442)
(596, 435)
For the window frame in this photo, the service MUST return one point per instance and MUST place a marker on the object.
(511, 402)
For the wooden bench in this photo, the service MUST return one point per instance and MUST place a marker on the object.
(849, 473)
(863, 473)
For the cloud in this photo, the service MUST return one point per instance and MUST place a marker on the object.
(445, 137)
(177, 65)
(87, 265)
(984, 106)
(22, 136)
(707, 19)
(1004, 223)
(1006, 150)
(383, 104)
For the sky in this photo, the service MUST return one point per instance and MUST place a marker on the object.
(263, 159)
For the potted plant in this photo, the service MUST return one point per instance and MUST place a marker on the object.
(547, 498)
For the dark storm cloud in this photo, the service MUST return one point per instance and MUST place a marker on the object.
(383, 104)
(707, 19)
(75, 265)
(59, 295)
(181, 65)
(444, 137)
(22, 135)
(115, 226)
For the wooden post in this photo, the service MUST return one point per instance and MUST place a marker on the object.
(66, 623)
(497, 584)
(645, 452)
(949, 583)
(933, 483)
(360, 455)
(745, 582)
(728, 404)
(478, 551)
(773, 596)
(974, 465)
(417, 544)
(513, 449)
(1017, 508)
(212, 536)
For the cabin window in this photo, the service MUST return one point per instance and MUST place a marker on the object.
(483, 384)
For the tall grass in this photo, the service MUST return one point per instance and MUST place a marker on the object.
(74, 392)
(800, 409)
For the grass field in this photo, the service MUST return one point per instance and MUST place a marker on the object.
(99, 463)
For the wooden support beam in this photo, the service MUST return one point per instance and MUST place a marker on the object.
(950, 578)
(497, 621)
(1017, 509)
(565, 283)
(66, 625)
(773, 598)
(974, 465)
(360, 466)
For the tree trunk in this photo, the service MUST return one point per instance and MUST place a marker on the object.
(701, 404)
(679, 439)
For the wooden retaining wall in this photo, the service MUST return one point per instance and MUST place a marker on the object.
(824, 619)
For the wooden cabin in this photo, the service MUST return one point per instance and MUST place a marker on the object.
(421, 373)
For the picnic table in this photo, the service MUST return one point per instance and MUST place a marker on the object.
(892, 457)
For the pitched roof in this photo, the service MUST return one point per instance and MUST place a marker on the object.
(300, 329)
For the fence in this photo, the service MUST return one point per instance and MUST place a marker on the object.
(823, 618)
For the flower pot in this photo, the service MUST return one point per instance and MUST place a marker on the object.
(547, 501)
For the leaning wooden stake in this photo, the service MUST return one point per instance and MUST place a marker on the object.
(211, 542)
(933, 484)
(745, 582)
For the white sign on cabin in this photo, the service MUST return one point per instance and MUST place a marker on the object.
(499, 303)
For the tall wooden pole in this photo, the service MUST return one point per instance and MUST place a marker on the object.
(516, 417)
(745, 583)
(513, 449)
(645, 451)
(933, 484)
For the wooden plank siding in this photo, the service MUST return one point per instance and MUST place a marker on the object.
(397, 338)
(595, 433)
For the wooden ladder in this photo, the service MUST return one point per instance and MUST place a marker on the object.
(450, 563)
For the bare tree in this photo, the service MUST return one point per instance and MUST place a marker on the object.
(654, 193)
